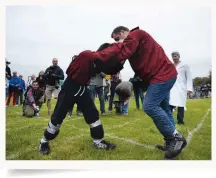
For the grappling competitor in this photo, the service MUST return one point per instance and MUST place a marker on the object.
(74, 90)
(149, 61)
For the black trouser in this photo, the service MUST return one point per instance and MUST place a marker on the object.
(180, 114)
(77, 110)
(70, 94)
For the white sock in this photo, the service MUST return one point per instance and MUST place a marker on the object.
(43, 140)
(96, 141)
(175, 132)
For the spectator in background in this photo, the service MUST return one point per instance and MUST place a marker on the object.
(53, 75)
(138, 90)
(42, 83)
(124, 91)
(33, 100)
(41, 80)
(14, 84)
(7, 77)
(182, 87)
(96, 86)
(21, 90)
(115, 80)
(31, 79)
(106, 90)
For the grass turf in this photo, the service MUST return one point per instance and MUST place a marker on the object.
(135, 135)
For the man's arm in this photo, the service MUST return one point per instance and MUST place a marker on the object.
(121, 51)
(189, 79)
(46, 73)
(102, 74)
(30, 97)
(60, 75)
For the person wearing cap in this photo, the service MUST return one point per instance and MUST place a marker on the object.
(14, 84)
(149, 61)
(21, 90)
(182, 87)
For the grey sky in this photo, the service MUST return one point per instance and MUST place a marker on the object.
(36, 34)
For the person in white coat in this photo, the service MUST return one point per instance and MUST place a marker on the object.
(182, 87)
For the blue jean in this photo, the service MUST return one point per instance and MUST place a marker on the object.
(138, 93)
(19, 98)
(99, 90)
(6, 92)
(112, 94)
(125, 109)
(156, 106)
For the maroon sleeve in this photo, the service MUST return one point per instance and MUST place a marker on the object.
(121, 51)
(30, 97)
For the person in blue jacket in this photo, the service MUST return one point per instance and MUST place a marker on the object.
(14, 85)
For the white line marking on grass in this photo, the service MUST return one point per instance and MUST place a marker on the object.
(132, 141)
(190, 134)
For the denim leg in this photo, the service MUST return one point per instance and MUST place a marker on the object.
(125, 109)
(101, 99)
(112, 94)
(155, 96)
(17, 98)
(92, 91)
(166, 107)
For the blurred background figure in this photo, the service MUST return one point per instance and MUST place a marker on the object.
(14, 85)
(182, 87)
(53, 75)
(21, 91)
(33, 100)
(7, 77)
(138, 90)
(31, 79)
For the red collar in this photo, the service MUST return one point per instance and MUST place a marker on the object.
(137, 28)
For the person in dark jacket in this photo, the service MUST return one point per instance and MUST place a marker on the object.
(7, 78)
(21, 90)
(14, 85)
(149, 61)
(53, 75)
(75, 90)
(42, 83)
(41, 80)
(138, 90)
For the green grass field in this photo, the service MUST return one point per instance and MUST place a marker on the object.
(135, 135)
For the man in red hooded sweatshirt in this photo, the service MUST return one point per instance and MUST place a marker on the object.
(149, 61)
(74, 90)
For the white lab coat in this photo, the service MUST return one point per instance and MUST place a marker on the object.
(184, 83)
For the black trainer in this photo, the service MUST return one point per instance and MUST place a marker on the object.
(105, 145)
(165, 146)
(44, 148)
(175, 146)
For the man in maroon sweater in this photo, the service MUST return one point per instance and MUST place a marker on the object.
(149, 61)
(74, 90)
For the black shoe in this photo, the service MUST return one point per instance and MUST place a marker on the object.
(105, 145)
(44, 148)
(176, 144)
(161, 147)
(180, 123)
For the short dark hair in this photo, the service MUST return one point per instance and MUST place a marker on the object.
(103, 46)
(119, 29)
(35, 82)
